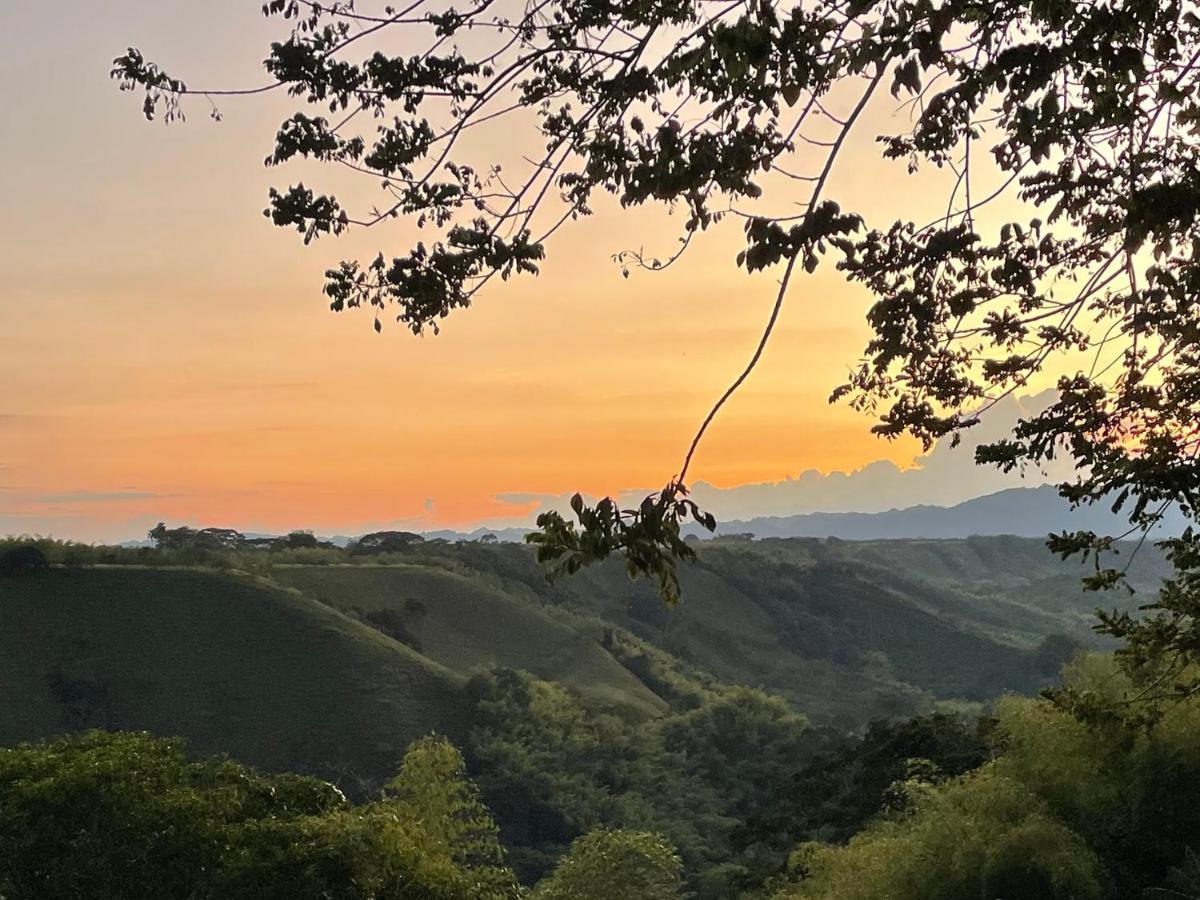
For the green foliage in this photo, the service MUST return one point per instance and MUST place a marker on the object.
(1067, 810)
(1131, 788)
(988, 838)
(128, 816)
(1161, 643)
(740, 743)
(433, 789)
(732, 777)
(633, 865)
(553, 770)
(851, 781)
(648, 537)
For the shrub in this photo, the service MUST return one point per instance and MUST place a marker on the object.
(23, 559)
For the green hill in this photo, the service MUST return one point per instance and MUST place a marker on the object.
(284, 671)
(848, 631)
(270, 677)
(855, 630)
(470, 624)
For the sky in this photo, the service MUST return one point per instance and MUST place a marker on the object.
(167, 354)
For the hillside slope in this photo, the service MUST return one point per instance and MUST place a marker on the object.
(472, 624)
(848, 631)
(272, 678)
(289, 676)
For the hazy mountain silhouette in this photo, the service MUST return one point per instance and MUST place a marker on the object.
(1027, 512)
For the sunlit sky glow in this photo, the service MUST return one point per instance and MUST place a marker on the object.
(167, 354)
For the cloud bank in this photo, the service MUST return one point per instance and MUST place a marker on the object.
(944, 477)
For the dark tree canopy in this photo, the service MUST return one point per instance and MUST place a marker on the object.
(185, 538)
(130, 815)
(23, 559)
(385, 542)
(1084, 113)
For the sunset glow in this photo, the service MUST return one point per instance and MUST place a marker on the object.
(167, 354)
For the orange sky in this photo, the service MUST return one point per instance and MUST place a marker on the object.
(166, 353)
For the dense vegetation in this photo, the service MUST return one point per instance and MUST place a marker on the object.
(1066, 810)
(1036, 806)
(582, 709)
(129, 816)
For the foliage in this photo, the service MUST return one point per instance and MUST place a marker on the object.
(184, 538)
(850, 782)
(740, 743)
(648, 537)
(730, 776)
(633, 865)
(383, 542)
(1085, 113)
(1068, 809)
(554, 770)
(1161, 648)
(987, 838)
(433, 788)
(23, 558)
(131, 816)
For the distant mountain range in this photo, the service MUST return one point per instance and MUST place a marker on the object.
(1026, 512)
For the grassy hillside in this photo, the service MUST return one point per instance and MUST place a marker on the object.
(849, 631)
(273, 678)
(472, 624)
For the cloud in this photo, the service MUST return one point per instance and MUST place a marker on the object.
(522, 499)
(943, 477)
(98, 497)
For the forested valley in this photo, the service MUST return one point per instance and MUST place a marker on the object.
(427, 718)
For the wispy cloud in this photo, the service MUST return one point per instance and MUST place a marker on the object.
(98, 497)
(522, 499)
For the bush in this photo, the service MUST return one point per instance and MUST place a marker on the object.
(133, 816)
(23, 559)
(632, 865)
